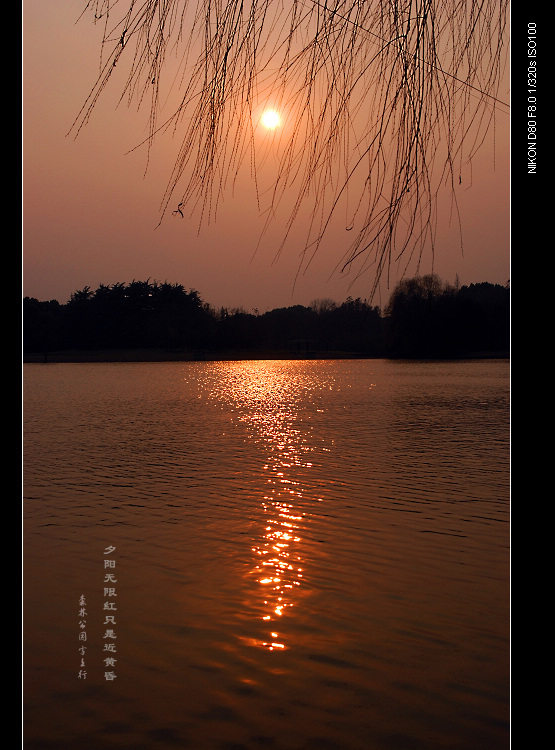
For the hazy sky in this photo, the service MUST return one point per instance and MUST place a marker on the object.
(91, 213)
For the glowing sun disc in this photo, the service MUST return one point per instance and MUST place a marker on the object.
(270, 119)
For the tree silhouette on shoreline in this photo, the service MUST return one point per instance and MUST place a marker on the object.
(424, 317)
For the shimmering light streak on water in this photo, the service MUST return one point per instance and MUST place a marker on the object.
(312, 555)
(265, 397)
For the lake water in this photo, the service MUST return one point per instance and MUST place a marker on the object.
(295, 555)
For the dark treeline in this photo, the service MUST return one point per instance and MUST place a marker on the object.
(423, 318)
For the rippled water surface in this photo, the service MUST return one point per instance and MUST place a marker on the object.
(308, 555)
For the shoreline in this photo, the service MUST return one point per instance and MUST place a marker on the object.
(160, 355)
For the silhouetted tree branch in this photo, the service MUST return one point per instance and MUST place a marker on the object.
(383, 102)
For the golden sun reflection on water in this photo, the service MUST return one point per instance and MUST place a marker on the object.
(264, 398)
(280, 565)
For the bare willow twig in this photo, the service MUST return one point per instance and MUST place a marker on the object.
(384, 101)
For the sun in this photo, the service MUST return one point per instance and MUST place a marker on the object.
(270, 119)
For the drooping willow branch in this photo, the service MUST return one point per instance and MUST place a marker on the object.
(384, 102)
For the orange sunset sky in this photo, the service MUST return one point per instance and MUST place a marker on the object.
(91, 208)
